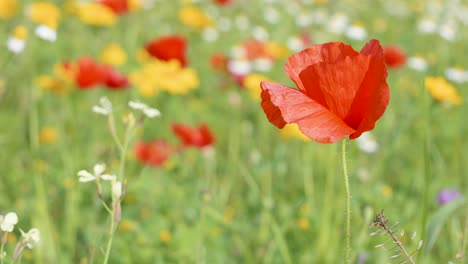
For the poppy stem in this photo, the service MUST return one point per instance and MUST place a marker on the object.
(348, 203)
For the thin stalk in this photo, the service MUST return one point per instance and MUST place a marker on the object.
(111, 237)
(348, 203)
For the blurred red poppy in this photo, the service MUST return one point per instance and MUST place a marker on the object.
(88, 73)
(118, 6)
(168, 48)
(114, 79)
(222, 2)
(219, 62)
(153, 153)
(341, 92)
(394, 56)
(200, 136)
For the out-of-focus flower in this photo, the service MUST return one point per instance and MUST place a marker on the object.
(443, 91)
(88, 73)
(113, 54)
(362, 258)
(222, 2)
(290, 131)
(394, 56)
(85, 176)
(448, 31)
(8, 8)
(118, 6)
(165, 236)
(456, 74)
(367, 143)
(117, 190)
(44, 13)
(168, 76)
(303, 223)
(95, 14)
(219, 61)
(17, 42)
(427, 26)
(113, 79)
(31, 238)
(200, 136)
(194, 17)
(321, 107)
(153, 153)
(46, 33)
(337, 23)
(8, 222)
(417, 63)
(104, 107)
(276, 50)
(252, 83)
(356, 31)
(168, 48)
(48, 135)
(447, 195)
(210, 34)
(146, 110)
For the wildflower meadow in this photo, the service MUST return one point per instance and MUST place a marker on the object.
(233, 131)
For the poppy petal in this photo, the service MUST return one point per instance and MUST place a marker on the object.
(334, 85)
(293, 106)
(328, 52)
(373, 96)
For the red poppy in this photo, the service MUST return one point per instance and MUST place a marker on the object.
(219, 62)
(394, 56)
(222, 2)
(153, 153)
(114, 79)
(118, 6)
(200, 136)
(341, 92)
(168, 48)
(88, 73)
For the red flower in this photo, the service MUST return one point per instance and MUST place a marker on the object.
(222, 2)
(200, 136)
(341, 92)
(153, 153)
(219, 62)
(114, 79)
(394, 57)
(168, 48)
(118, 6)
(88, 73)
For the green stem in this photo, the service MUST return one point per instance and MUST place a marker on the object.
(348, 203)
(1, 252)
(111, 237)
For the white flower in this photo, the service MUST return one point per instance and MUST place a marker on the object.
(337, 23)
(210, 34)
(259, 33)
(46, 33)
(356, 32)
(417, 63)
(116, 190)
(86, 176)
(448, 31)
(224, 24)
(31, 238)
(104, 107)
(367, 143)
(147, 111)
(240, 67)
(262, 64)
(242, 22)
(271, 15)
(8, 222)
(427, 26)
(295, 44)
(15, 45)
(238, 52)
(456, 75)
(304, 19)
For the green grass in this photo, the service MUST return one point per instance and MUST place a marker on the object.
(242, 206)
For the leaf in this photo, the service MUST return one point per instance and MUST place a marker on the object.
(437, 221)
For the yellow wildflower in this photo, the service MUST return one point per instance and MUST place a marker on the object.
(44, 13)
(387, 191)
(165, 236)
(194, 17)
(293, 131)
(134, 5)
(252, 83)
(65, 74)
(49, 83)
(276, 50)
(303, 223)
(8, 8)
(96, 14)
(128, 225)
(168, 76)
(443, 91)
(114, 54)
(48, 135)
(20, 32)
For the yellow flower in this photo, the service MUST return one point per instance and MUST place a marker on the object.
(165, 236)
(128, 225)
(20, 32)
(292, 131)
(168, 76)
(228, 215)
(276, 50)
(114, 54)
(194, 17)
(303, 223)
(443, 91)
(49, 83)
(387, 191)
(8, 8)
(96, 14)
(252, 83)
(134, 5)
(48, 135)
(44, 13)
